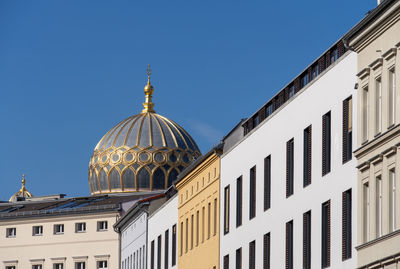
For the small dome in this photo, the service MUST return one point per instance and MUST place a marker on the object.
(144, 152)
(21, 194)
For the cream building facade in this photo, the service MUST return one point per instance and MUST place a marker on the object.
(376, 39)
(198, 212)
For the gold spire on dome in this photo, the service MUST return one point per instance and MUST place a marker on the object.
(23, 192)
(148, 91)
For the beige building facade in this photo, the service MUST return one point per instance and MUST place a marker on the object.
(376, 39)
(198, 213)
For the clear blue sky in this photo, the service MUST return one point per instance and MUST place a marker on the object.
(71, 70)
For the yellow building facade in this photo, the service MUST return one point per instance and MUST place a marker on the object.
(198, 213)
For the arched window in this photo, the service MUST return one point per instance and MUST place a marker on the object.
(115, 179)
(158, 179)
(128, 179)
(173, 174)
(103, 180)
(143, 179)
(94, 181)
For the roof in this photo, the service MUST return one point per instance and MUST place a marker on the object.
(68, 206)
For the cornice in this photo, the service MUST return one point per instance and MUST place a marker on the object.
(363, 73)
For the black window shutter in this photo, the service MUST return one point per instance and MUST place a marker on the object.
(267, 183)
(226, 262)
(307, 240)
(346, 225)
(267, 251)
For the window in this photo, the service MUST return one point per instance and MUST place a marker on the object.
(392, 200)
(267, 251)
(215, 216)
(226, 262)
(203, 215)
(102, 265)
(37, 230)
(366, 208)
(291, 91)
(166, 249)
(304, 80)
(326, 143)
(37, 266)
(314, 71)
(256, 121)
(181, 241)
(158, 252)
(197, 227)
(152, 254)
(61, 266)
(270, 109)
(10, 267)
(334, 55)
(209, 221)
(173, 245)
(58, 228)
(365, 112)
(238, 258)
(102, 226)
(186, 235)
(252, 255)
(289, 245)
(252, 203)
(80, 227)
(80, 265)
(378, 206)
(191, 231)
(378, 106)
(347, 129)
(326, 235)
(11, 232)
(392, 96)
(307, 240)
(346, 225)
(289, 167)
(267, 182)
(307, 157)
(239, 200)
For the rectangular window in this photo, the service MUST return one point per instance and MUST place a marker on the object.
(203, 215)
(289, 167)
(58, 228)
(181, 240)
(102, 265)
(102, 226)
(267, 182)
(392, 96)
(267, 251)
(238, 258)
(226, 262)
(59, 266)
(326, 143)
(315, 71)
(11, 232)
(307, 157)
(191, 231)
(78, 265)
(37, 266)
(226, 209)
(291, 91)
(392, 200)
(186, 235)
(152, 255)
(239, 200)
(378, 106)
(289, 245)
(173, 245)
(37, 230)
(209, 221)
(365, 113)
(366, 210)
(252, 255)
(252, 203)
(80, 227)
(347, 126)
(215, 216)
(158, 252)
(326, 235)
(166, 249)
(307, 240)
(197, 227)
(10, 267)
(378, 206)
(346, 225)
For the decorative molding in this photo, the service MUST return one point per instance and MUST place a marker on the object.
(36, 260)
(389, 152)
(376, 159)
(59, 259)
(389, 54)
(11, 261)
(376, 64)
(364, 166)
(363, 73)
(398, 45)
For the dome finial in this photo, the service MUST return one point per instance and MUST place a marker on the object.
(22, 193)
(148, 91)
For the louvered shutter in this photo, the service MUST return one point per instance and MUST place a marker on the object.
(329, 234)
(287, 167)
(323, 144)
(267, 251)
(309, 154)
(267, 182)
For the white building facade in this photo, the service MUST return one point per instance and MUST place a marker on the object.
(288, 188)
(162, 236)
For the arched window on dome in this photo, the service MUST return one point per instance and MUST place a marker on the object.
(173, 174)
(143, 178)
(115, 179)
(158, 179)
(103, 180)
(94, 181)
(128, 179)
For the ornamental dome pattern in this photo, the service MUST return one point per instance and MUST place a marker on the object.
(144, 152)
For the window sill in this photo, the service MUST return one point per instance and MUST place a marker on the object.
(11, 236)
(37, 235)
(377, 134)
(80, 232)
(102, 230)
(391, 126)
(58, 233)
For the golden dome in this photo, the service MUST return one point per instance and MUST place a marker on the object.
(22, 193)
(141, 153)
